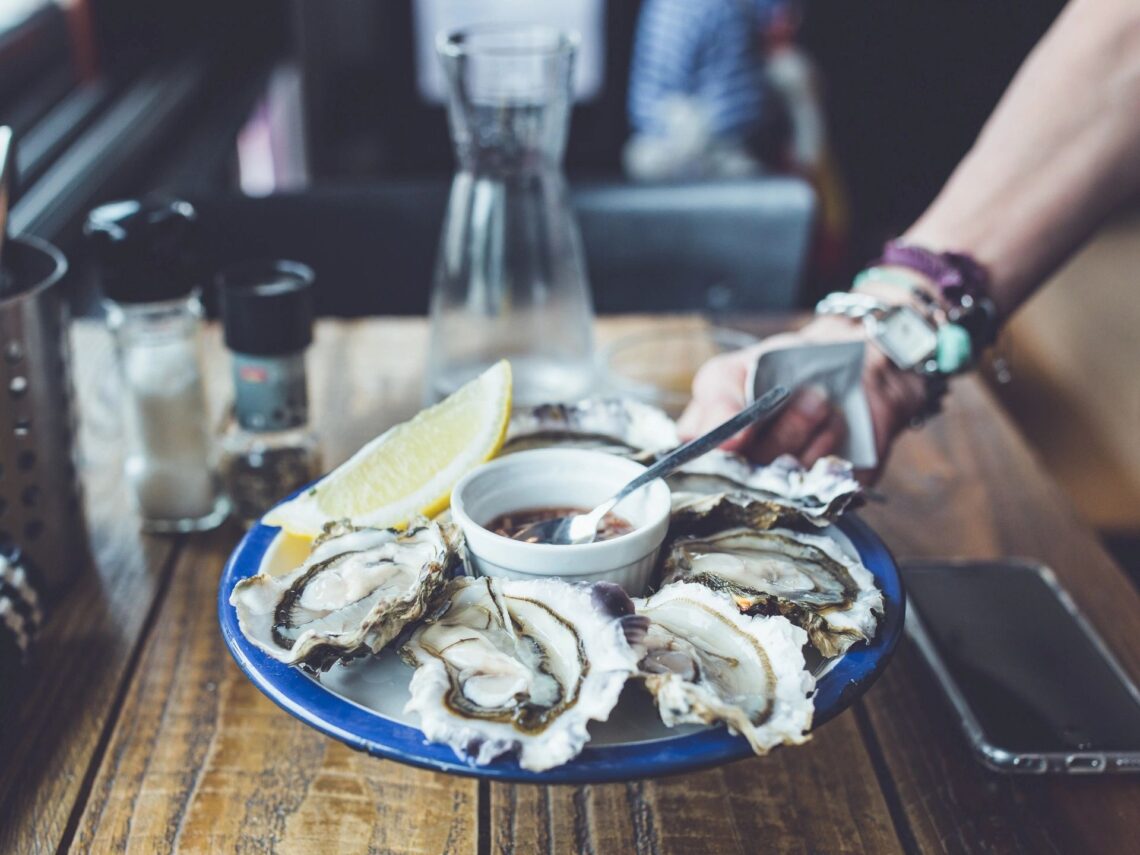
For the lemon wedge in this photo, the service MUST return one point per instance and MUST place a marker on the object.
(411, 468)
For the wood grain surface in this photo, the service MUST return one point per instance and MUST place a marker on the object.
(58, 716)
(967, 486)
(143, 736)
(202, 761)
(821, 797)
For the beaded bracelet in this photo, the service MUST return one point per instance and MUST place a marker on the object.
(955, 274)
(963, 283)
(955, 349)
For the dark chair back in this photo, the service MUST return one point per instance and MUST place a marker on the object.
(709, 246)
(718, 246)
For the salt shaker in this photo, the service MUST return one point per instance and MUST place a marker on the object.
(269, 450)
(153, 309)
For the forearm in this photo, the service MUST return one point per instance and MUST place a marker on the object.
(1061, 151)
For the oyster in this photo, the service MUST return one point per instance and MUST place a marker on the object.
(520, 665)
(722, 489)
(704, 661)
(808, 578)
(617, 425)
(356, 591)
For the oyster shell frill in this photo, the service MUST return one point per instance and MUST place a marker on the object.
(808, 578)
(705, 662)
(722, 489)
(615, 425)
(356, 591)
(520, 665)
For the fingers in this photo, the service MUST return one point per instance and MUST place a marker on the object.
(701, 418)
(724, 376)
(809, 427)
(805, 429)
(718, 394)
(691, 421)
(894, 398)
(828, 440)
(796, 428)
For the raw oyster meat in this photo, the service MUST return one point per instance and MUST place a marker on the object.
(617, 425)
(356, 591)
(705, 662)
(520, 665)
(722, 489)
(808, 578)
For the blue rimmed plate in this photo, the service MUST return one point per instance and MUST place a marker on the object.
(362, 703)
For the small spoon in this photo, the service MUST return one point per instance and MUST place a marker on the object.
(578, 529)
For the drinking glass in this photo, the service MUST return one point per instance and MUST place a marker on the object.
(510, 278)
(658, 366)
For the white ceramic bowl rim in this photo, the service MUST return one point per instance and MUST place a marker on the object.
(537, 456)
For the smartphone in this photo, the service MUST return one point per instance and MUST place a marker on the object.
(1033, 684)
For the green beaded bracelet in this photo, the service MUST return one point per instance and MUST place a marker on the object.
(883, 274)
(954, 350)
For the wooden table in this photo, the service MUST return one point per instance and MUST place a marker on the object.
(135, 731)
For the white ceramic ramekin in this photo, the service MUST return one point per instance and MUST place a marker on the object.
(553, 477)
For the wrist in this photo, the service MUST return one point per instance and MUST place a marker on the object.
(913, 345)
(912, 396)
(953, 288)
(832, 328)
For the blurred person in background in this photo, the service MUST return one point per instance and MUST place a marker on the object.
(720, 89)
(1059, 154)
(793, 77)
(700, 103)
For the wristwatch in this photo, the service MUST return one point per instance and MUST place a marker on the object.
(901, 332)
(911, 340)
(907, 339)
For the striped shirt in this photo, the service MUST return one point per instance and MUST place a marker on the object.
(707, 50)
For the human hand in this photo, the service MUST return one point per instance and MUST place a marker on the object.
(809, 426)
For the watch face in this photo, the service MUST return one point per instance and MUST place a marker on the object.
(905, 337)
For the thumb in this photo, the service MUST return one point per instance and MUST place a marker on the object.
(701, 418)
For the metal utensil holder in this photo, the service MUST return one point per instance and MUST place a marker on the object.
(41, 510)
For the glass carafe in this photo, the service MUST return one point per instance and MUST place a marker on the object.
(510, 278)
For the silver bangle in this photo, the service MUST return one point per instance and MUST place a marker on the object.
(849, 304)
(871, 313)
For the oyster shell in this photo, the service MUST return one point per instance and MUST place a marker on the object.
(808, 578)
(519, 665)
(617, 425)
(356, 591)
(722, 489)
(705, 662)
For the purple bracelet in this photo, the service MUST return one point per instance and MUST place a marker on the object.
(962, 282)
(956, 274)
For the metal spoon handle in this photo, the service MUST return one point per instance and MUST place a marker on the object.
(763, 407)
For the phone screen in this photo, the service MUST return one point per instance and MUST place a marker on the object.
(1034, 679)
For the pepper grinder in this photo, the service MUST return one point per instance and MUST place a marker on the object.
(269, 450)
(153, 309)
